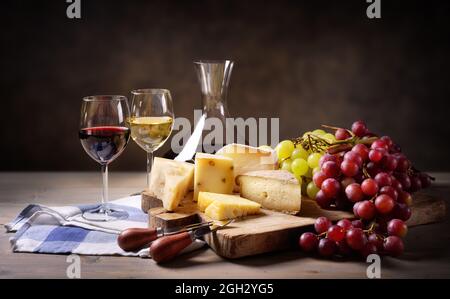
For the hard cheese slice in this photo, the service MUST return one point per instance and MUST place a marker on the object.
(213, 174)
(274, 189)
(247, 158)
(223, 206)
(170, 181)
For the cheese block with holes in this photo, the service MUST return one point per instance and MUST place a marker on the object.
(213, 174)
(224, 206)
(276, 190)
(170, 181)
(248, 158)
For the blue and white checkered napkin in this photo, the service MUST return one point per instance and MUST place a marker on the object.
(63, 230)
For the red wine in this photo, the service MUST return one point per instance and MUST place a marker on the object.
(104, 144)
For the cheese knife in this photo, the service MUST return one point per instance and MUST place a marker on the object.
(166, 248)
(133, 239)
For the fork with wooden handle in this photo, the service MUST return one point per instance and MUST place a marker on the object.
(133, 239)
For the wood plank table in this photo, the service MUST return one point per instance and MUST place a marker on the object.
(427, 247)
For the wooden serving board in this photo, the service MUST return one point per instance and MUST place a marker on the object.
(271, 231)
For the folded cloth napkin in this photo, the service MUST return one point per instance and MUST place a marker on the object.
(63, 230)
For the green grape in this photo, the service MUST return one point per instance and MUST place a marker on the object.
(306, 133)
(315, 170)
(299, 178)
(329, 137)
(286, 165)
(284, 149)
(313, 160)
(309, 173)
(311, 190)
(299, 152)
(319, 132)
(299, 166)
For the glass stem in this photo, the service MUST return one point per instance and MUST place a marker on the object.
(149, 167)
(105, 187)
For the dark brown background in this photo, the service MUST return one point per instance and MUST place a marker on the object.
(307, 62)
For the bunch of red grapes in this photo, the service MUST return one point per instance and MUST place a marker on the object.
(373, 178)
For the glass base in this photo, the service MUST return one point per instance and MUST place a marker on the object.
(104, 215)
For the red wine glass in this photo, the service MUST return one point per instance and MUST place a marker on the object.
(104, 134)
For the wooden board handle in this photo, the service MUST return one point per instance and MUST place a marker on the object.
(166, 248)
(133, 239)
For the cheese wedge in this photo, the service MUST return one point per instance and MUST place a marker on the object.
(213, 174)
(170, 181)
(276, 190)
(222, 206)
(247, 158)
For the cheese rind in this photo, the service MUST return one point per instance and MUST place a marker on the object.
(213, 174)
(224, 207)
(276, 190)
(170, 181)
(247, 158)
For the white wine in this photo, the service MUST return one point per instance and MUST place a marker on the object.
(150, 132)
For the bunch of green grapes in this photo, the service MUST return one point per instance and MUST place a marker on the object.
(303, 161)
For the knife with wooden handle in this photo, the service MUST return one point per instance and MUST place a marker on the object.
(166, 248)
(133, 239)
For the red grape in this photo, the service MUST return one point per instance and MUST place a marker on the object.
(345, 224)
(395, 148)
(349, 168)
(384, 204)
(347, 181)
(387, 140)
(369, 187)
(343, 248)
(397, 185)
(359, 128)
(397, 227)
(389, 162)
(402, 211)
(308, 241)
(375, 155)
(425, 180)
(354, 157)
(416, 184)
(356, 238)
(354, 192)
(376, 240)
(341, 134)
(366, 210)
(327, 247)
(404, 180)
(379, 144)
(323, 201)
(405, 197)
(330, 169)
(383, 179)
(372, 169)
(357, 223)
(403, 164)
(336, 233)
(330, 187)
(368, 249)
(393, 245)
(390, 191)
(318, 178)
(322, 224)
(362, 151)
(328, 157)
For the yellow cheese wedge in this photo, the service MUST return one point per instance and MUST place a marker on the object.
(247, 158)
(223, 206)
(274, 189)
(213, 174)
(170, 181)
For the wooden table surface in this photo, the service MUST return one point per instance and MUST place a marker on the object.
(427, 247)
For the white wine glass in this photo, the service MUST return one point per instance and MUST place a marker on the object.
(151, 121)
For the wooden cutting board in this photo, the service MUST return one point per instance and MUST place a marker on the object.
(271, 231)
